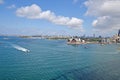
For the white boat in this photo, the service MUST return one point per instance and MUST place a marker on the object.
(21, 48)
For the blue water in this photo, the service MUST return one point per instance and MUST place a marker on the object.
(55, 60)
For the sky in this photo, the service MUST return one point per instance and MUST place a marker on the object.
(59, 17)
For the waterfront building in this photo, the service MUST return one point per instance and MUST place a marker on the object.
(118, 39)
(75, 41)
(119, 33)
(105, 41)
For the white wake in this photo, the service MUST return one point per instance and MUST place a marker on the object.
(20, 48)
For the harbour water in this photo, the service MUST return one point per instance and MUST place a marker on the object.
(55, 60)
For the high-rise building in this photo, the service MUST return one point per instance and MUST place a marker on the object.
(119, 32)
(93, 35)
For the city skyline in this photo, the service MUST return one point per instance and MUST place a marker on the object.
(64, 17)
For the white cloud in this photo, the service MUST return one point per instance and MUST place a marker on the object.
(31, 12)
(11, 6)
(1, 1)
(35, 12)
(107, 14)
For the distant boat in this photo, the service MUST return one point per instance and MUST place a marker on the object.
(86, 47)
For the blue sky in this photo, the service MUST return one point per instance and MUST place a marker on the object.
(58, 17)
